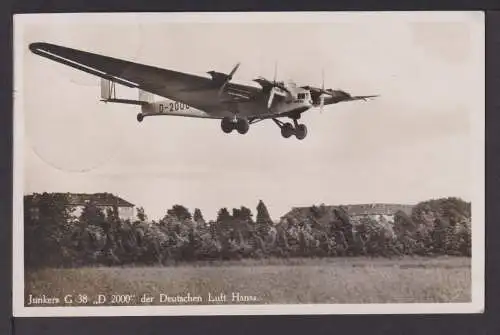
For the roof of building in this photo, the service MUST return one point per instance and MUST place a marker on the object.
(363, 209)
(377, 209)
(100, 199)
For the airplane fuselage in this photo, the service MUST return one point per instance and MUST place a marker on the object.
(294, 104)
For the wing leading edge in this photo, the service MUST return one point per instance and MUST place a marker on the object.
(197, 91)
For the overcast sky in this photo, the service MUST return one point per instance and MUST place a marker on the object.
(411, 144)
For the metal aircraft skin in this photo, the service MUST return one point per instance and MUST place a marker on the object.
(214, 97)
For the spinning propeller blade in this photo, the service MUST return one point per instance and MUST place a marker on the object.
(335, 96)
(322, 97)
(271, 97)
(229, 78)
(275, 86)
(234, 70)
(275, 71)
(273, 90)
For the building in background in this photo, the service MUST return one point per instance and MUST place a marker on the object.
(78, 201)
(378, 212)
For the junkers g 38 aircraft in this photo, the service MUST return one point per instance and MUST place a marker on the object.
(213, 96)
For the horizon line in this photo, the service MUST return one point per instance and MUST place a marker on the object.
(279, 217)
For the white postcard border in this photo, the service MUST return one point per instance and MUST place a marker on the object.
(477, 161)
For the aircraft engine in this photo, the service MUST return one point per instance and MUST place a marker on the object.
(218, 77)
(316, 97)
(222, 79)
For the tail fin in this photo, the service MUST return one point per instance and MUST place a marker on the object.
(147, 99)
(146, 96)
(107, 89)
(108, 94)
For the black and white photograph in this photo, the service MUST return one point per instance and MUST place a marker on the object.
(248, 163)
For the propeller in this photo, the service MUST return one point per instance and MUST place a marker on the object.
(275, 87)
(322, 96)
(268, 84)
(271, 97)
(229, 77)
(337, 95)
(320, 91)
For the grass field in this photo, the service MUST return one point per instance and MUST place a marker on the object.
(337, 280)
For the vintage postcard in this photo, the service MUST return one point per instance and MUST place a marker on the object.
(248, 163)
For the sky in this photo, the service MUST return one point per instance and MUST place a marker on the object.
(415, 142)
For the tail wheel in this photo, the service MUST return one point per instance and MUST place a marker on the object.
(140, 117)
(227, 125)
(287, 130)
(242, 126)
(301, 131)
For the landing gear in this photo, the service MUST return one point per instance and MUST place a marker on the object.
(301, 131)
(241, 125)
(140, 117)
(287, 129)
(227, 125)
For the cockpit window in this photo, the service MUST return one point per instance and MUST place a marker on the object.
(301, 96)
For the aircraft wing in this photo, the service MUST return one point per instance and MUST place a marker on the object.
(344, 97)
(333, 96)
(196, 91)
(335, 100)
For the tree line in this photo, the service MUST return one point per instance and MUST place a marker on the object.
(55, 237)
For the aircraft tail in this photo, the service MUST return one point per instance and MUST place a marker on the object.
(146, 96)
(108, 94)
(107, 89)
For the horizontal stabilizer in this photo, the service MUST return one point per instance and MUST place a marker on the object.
(127, 101)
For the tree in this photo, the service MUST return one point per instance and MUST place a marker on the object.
(128, 241)
(48, 230)
(463, 236)
(405, 230)
(438, 222)
(403, 221)
(223, 216)
(246, 214)
(439, 236)
(198, 217)
(153, 244)
(223, 227)
(440, 226)
(345, 233)
(315, 211)
(236, 213)
(93, 216)
(180, 212)
(141, 215)
(376, 238)
(263, 219)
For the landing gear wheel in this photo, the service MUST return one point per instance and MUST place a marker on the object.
(227, 125)
(140, 117)
(242, 126)
(287, 130)
(301, 131)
